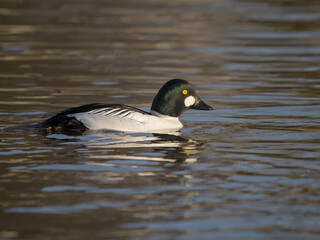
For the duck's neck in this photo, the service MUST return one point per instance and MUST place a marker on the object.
(155, 113)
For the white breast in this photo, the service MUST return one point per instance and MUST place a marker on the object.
(126, 120)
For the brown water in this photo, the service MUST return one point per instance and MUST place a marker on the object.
(250, 169)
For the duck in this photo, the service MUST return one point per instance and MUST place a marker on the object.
(172, 100)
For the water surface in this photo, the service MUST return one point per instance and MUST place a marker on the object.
(250, 169)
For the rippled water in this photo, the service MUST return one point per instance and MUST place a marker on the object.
(250, 169)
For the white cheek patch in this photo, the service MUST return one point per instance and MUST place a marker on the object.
(189, 101)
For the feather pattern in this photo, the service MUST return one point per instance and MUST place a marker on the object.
(120, 117)
(121, 112)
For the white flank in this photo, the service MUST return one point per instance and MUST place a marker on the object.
(189, 101)
(127, 121)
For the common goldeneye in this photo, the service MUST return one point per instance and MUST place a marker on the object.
(175, 97)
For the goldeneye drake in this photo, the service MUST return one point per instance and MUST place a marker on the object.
(175, 97)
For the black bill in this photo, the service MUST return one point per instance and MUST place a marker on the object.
(200, 105)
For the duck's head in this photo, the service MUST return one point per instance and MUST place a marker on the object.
(175, 97)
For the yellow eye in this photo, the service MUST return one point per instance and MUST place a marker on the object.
(184, 92)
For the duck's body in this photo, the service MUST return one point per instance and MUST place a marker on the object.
(115, 117)
(172, 100)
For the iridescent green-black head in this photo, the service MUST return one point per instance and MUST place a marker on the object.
(177, 96)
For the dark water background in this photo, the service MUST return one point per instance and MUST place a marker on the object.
(250, 169)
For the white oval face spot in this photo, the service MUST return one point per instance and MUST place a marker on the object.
(189, 101)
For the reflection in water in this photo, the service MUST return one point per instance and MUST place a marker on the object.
(169, 147)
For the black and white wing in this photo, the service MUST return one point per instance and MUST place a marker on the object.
(108, 110)
(114, 117)
(95, 116)
(120, 111)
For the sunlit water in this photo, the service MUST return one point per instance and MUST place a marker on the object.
(250, 169)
